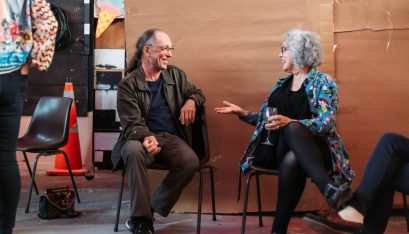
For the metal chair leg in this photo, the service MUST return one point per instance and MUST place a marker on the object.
(199, 203)
(239, 185)
(118, 207)
(32, 182)
(260, 214)
(29, 170)
(212, 192)
(71, 176)
(405, 208)
(246, 198)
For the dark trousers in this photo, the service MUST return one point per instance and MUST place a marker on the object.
(387, 171)
(300, 155)
(12, 92)
(177, 155)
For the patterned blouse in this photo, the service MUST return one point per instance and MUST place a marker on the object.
(322, 94)
(27, 28)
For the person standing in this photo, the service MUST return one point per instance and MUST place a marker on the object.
(27, 39)
(156, 106)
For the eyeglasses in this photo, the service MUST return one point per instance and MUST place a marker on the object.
(284, 49)
(162, 48)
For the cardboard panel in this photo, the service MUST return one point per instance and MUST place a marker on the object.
(351, 15)
(372, 73)
(230, 50)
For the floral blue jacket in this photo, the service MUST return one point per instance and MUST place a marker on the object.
(322, 94)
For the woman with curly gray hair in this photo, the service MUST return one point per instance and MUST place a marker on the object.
(304, 140)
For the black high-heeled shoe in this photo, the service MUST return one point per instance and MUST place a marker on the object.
(336, 195)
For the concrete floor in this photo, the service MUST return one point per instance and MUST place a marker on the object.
(98, 206)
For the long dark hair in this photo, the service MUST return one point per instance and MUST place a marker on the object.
(140, 44)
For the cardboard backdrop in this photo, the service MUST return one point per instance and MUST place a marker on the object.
(230, 50)
(371, 48)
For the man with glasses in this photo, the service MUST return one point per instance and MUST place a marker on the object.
(156, 105)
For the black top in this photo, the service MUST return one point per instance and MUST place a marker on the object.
(160, 118)
(293, 104)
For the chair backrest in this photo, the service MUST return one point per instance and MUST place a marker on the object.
(50, 121)
(200, 140)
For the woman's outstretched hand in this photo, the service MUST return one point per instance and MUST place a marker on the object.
(231, 108)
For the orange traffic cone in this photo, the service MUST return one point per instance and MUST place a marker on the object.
(72, 149)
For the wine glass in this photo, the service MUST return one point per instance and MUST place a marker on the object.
(270, 111)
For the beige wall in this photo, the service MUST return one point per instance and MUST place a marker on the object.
(372, 45)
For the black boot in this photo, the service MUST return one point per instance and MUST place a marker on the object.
(336, 195)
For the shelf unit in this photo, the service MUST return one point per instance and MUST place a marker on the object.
(109, 69)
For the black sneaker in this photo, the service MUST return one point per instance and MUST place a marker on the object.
(140, 226)
(130, 225)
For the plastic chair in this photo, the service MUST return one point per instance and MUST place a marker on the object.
(253, 171)
(200, 145)
(47, 132)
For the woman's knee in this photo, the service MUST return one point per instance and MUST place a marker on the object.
(290, 164)
(289, 160)
(294, 128)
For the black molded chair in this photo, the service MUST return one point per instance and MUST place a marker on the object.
(47, 132)
(253, 171)
(200, 145)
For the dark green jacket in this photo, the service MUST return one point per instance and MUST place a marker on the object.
(134, 102)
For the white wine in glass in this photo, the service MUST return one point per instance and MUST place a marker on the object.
(270, 111)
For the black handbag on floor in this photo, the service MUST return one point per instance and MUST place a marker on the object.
(56, 203)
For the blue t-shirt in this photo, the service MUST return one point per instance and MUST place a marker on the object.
(160, 119)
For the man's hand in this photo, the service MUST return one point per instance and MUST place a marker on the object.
(151, 145)
(188, 112)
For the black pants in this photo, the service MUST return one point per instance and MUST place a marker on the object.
(175, 154)
(300, 155)
(12, 93)
(387, 171)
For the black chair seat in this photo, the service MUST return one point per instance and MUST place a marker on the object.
(261, 170)
(37, 144)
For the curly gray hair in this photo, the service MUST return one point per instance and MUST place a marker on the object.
(304, 47)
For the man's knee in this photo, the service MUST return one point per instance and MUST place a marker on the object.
(191, 163)
(390, 138)
(134, 153)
